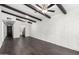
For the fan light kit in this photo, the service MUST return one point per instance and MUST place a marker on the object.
(45, 8)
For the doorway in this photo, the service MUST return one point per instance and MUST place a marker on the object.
(9, 32)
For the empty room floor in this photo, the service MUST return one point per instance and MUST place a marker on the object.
(33, 46)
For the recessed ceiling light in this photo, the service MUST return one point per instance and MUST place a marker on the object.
(27, 16)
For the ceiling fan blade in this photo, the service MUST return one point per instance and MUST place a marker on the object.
(39, 6)
(51, 10)
(50, 5)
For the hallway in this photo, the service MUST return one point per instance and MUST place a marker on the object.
(33, 46)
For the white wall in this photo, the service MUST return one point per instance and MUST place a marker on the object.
(4, 31)
(1, 30)
(1, 33)
(62, 29)
(28, 29)
(17, 29)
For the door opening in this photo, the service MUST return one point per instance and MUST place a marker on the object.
(9, 32)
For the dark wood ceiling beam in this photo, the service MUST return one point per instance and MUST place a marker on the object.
(9, 7)
(38, 6)
(50, 5)
(20, 20)
(35, 9)
(30, 22)
(17, 16)
(61, 8)
(16, 19)
(51, 10)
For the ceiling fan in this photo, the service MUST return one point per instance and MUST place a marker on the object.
(45, 7)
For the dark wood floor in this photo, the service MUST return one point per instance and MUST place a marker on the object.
(33, 46)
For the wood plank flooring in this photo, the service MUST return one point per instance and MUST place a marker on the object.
(33, 46)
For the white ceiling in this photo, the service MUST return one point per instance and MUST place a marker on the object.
(26, 9)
